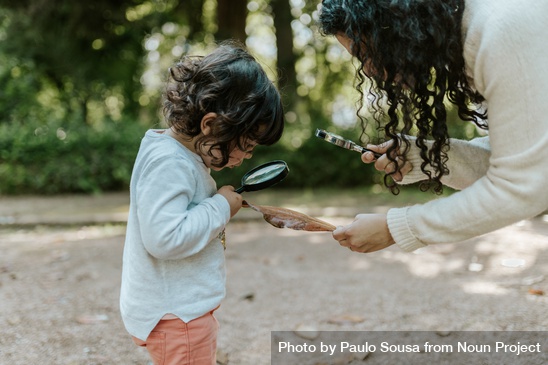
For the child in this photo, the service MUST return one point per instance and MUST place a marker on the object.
(217, 108)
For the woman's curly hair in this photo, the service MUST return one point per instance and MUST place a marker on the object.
(412, 51)
(232, 84)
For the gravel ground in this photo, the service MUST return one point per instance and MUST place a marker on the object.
(59, 287)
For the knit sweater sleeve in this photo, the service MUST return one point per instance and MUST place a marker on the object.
(176, 228)
(509, 70)
(467, 162)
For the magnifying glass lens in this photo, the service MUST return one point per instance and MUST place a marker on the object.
(264, 176)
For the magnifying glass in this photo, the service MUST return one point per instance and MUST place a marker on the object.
(344, 143)
(264, 176)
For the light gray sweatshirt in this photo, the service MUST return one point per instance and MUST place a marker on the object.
(173, 260)
(502, 177)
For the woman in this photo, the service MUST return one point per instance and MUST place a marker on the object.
(489, 59)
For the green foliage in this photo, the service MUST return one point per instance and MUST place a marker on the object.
(54, 158)
(79, 79)
(90, 54)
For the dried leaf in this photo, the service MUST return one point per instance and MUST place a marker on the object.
(346, 319)
(248, 296)
(287, 218)
(536, 291)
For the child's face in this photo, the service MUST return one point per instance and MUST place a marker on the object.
(235, 158)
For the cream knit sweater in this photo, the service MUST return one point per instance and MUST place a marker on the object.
(502, 178)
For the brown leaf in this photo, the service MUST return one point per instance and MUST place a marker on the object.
(287, 218)
(536, 291)
(345, 319)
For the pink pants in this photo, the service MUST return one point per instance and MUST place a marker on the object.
(174, 342)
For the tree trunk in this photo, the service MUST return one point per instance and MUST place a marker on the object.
(231, 20)
(287, 77)
(193, 9)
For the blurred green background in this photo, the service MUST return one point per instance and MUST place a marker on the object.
(81, 83)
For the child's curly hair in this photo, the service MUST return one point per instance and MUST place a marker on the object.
(232, 84)
(416, 50)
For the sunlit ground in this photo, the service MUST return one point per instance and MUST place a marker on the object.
(59, 284)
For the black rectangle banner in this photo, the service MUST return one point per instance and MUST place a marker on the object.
(409, 347)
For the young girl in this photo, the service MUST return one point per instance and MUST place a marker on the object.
(218, 108)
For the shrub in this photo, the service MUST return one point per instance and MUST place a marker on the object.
(52, 158)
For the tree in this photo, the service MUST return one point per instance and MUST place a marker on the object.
(81, 51)
(286, 59)
(89, 51)
(231, 19)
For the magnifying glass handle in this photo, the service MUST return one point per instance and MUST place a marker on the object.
(364, 150)
(239, 190)
(344, 143)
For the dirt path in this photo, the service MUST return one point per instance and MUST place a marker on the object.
(59, 290)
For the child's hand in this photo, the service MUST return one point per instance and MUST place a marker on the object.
(234, 199)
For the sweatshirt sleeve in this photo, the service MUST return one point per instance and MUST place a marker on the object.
(509, 70)
(171, 226)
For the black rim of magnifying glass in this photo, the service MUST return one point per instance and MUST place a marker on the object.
(264, 184)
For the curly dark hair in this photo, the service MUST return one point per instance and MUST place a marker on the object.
(412, 52)
(232, 84)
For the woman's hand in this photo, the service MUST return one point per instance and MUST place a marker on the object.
(234, 199)
(384, 164)
(368, 233)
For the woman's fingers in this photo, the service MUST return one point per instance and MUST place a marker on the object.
(367, 233)
(404, 170)
(389, 167)
(368, 157)
(384, 164)
(339, 234)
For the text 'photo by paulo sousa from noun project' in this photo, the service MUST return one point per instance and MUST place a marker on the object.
(411, 347)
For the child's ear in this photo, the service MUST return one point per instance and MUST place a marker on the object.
(206, 123)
